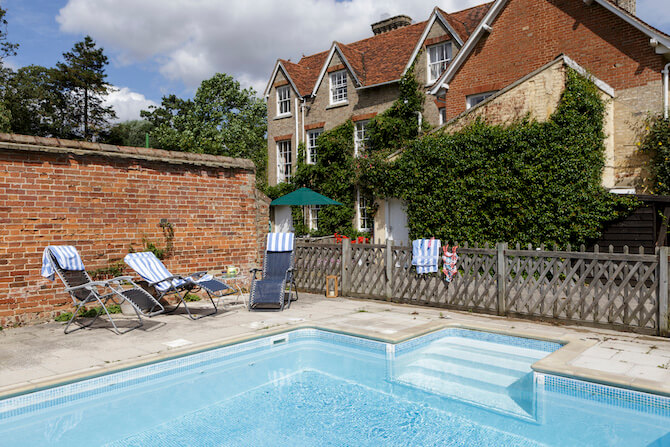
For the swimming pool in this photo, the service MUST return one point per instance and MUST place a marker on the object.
(454, 387)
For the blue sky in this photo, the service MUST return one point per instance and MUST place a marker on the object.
(158, 47)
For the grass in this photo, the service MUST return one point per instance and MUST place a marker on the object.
(89, 313)
(191, 297)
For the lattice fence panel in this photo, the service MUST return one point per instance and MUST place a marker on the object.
(313, 262)
(367, 271)
(607, 289)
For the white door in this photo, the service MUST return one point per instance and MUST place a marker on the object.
(397, 222)
(283, 220)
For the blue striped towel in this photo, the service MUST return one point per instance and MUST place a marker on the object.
(67, 257)
(151, 269)
(426, 255)
(280, 242)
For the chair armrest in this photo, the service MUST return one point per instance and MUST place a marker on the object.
(254, 270)
(253, 273)
(197, 274)
(120, 278)
(87, 285)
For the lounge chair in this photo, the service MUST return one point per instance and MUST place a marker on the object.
(152, 270)
(64, 260)
(269, 293)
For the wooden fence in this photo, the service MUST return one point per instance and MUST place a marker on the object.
(625, 291)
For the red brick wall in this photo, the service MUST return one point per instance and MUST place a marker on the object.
(529, 33)
(103, 205)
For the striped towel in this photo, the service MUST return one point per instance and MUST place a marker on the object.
(67, 257)
(426, 255)
(151, 269)
(280, 242)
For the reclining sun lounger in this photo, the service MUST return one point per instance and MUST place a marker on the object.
(65, 261)
(269, 293)
(152, 270)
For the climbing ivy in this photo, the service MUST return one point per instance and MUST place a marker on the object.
(656, 143)
(529, 182)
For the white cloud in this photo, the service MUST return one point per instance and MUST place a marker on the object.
(127, 104)
(190, 40)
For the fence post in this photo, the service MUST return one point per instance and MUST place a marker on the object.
(346, 257)
(663, 314)
(388, 265)
(500, 277)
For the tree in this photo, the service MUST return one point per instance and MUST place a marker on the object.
(6, 48)
(221, 119)
(82, 80)
(129, 133)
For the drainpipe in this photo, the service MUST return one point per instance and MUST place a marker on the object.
(303, 119)
(297, 135)
(666, 75)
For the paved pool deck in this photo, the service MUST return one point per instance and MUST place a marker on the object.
(42, 355)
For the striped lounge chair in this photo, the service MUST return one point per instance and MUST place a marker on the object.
(152, 270)
(64, 261)
(269, 292)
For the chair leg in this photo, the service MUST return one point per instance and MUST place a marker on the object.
(188, 311)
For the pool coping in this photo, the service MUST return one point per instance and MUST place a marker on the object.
(557, 363)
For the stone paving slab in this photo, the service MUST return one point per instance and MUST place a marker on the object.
(38, 356)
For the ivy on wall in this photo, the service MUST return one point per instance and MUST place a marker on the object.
(656, 143)
(528, 182)
(337, 173)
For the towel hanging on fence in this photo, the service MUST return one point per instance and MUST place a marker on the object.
(426, 255)
(449, 261)
(67, 256)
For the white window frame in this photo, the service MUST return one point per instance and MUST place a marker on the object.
(473, 100)
(360, 136)
(442, 111)
(338, 87)
(438, 65)
(362, 213)
(313, 216)
(284, 100)
(284, 161)
(312, 147)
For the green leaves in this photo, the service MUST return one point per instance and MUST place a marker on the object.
(527, 182)
(656, 143)
(221, 119)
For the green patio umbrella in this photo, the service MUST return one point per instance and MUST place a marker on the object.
(304, 196)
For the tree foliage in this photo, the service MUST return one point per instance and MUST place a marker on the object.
(221, 119)
(129, 133)
(7, 48)
(530, 182)
(81, 78)
(656, 143)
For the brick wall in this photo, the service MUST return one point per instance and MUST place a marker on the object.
(105, 199)
(529, 33)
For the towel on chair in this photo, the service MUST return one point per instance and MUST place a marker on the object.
(426, 255)
(67, 257)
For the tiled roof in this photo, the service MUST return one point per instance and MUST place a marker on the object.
(381, 58)
(57, 145)
(464, 22)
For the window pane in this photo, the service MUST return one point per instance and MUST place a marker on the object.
(338, 86)
(283, 100)
(438, 58)
(284, 161)
(312, 146)
(360, 137)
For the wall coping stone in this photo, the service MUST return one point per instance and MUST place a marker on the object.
(29, 143)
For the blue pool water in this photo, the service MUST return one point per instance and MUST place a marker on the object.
(309, 387)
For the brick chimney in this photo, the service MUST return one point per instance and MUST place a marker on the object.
(628, 5)
(398, 22)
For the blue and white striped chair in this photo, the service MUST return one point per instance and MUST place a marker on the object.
(64, 260)
(152, 270)
(269, 292)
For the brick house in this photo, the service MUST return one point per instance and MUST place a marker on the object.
(473, 58)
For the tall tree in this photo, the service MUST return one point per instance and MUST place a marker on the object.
(82, 78)
(221, 119)
(6, 49)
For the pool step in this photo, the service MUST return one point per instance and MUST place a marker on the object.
(477, 359)
(495, 400)
(446, 370)
(475, 345)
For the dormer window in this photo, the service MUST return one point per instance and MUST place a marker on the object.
(438, 57)
(338, 87)
(283, 100)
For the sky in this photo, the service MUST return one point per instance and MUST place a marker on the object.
(161, 47)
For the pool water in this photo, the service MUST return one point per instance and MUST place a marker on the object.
(309, 387)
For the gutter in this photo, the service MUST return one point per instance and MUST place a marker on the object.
(377, 85)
